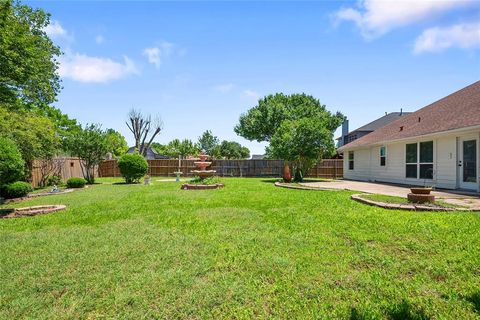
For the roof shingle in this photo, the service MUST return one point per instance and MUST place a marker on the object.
(460, 109)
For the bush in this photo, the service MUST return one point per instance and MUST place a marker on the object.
(54, 180)
(132, 167)
(76, 182)
(12, 165)
(16, 190)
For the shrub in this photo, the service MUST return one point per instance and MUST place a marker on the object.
(16, 190)
(11, 162)
(76, 182)
(54, 180)
(132, 167)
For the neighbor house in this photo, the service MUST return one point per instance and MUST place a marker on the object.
(348, 137)
(437, 145)
(150, 154)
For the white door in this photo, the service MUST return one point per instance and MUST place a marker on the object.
(468, 163)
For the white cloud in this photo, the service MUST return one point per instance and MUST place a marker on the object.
(251, 94)
(83, 68)
(55, 30)
(99, 39)
(377, 17)
(436, 39)
(156, 55)
(224, 88)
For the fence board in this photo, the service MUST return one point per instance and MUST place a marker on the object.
(329, 168)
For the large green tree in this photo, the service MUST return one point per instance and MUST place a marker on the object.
(117, 145)
(233, 150)
(302, 143)
(34, 135)
(261, 121)
(28, 58)
(209, 143)
(90, 145)
(299, 128)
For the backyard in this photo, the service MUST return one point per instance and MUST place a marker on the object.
(250, 250)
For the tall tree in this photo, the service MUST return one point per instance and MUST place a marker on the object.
(117, 145)
(144, 129)
(233, 150)
(261, 121)
(208, 143)
(90, 145)
(28, 58)
(302, 143)
(34, 135)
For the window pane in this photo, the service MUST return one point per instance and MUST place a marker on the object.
(350, 165)
(470, 161)
(382, 161)
(350, 155)
(426, 171)
(426, 151)
(411, 155)
(382, 151)
(411, 171)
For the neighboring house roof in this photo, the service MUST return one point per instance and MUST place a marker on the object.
(258, 156)
(151, 154)
(457, 110)
(381, 122)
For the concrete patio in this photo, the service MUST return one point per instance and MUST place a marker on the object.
(467, 199)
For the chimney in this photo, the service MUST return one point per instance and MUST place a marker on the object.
(344, 131)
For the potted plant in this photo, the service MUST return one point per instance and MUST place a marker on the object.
(425, 189)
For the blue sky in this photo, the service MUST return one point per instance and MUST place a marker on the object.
(199, 65)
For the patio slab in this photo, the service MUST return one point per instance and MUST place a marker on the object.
(470, 200)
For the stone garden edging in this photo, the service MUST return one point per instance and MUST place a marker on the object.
(409, 207)
(30, 211)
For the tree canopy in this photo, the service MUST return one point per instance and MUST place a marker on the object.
(208, 143)
(90, 145)
(302, 142)
(28, 58)
(116, 143)
(261, 121)
(233, 150)
(299, 128)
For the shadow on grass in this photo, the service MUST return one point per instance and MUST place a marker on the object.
(401, 311)
(474, 299)
(126, 184)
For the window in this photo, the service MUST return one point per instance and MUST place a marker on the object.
(350, 160)
(419, 160)
(383, 156)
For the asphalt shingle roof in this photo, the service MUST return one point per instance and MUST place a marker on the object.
(458, 110)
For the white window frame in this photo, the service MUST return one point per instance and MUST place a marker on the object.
(418, 163)
(384, 156)
(351, 160)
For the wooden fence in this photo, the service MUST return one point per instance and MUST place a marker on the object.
(65, 167)
(330, 168)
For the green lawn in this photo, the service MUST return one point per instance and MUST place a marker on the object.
(250, 250)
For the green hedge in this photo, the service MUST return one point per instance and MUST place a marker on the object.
(12, 165)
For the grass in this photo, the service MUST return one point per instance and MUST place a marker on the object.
(401, 200)
(250, 250)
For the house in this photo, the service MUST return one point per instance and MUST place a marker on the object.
(348, 137)
(437, 145)
(258, 157)
(151, 154)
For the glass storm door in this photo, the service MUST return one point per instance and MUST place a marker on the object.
(468, 164)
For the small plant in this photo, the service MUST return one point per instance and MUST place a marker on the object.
(16, 190)
(76, 182)
(132, 167)
(54, 180)
(206, 181)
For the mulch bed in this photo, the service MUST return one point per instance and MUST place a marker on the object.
(188, 186)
